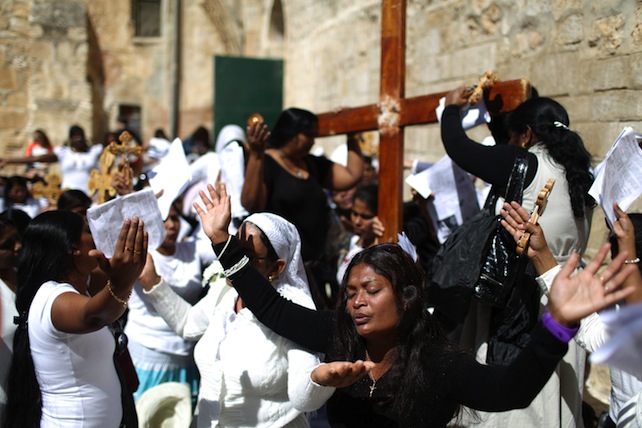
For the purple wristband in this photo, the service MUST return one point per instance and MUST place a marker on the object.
(563, 333)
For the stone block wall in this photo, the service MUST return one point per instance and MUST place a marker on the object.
(76, 61)
(585, 54)
(43, 60)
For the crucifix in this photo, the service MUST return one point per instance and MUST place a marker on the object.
(49, 189)
(125, 149)
(393, 112)
(100, 179)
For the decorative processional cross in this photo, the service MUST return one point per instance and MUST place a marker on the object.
(393, 112)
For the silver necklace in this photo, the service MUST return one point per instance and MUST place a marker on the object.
(372, 387)
(290, 165)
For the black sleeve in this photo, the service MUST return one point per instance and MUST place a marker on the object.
(493, 164)
(306, 327)
(498, 389)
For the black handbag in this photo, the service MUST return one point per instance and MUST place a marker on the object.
(479, 258)
(500, 261)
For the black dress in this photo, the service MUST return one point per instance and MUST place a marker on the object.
(455, 379)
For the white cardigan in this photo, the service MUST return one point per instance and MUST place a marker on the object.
(250, 376)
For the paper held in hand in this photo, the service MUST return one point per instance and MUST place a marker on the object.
(618, 178)
(106, 220)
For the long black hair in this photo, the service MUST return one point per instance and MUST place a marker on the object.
(290, 123)
(549, 122)
(46, 255)
(421, 343)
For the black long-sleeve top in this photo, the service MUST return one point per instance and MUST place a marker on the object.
(493, 164)
(457, 379)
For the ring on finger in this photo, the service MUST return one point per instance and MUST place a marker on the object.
(137, 252)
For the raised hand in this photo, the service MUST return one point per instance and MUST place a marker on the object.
(257, 136)
(515, 221)
(573, 296)
(216, 216)
(129, 256)
(149, 277)
(457, 96)
(340, 374)
(371, 236)
(122, 184)
(624, 230)
(625, 235)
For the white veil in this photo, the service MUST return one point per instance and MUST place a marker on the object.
(284, 237)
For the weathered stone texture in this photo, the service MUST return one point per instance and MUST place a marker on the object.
(58, 14)
(83, 54)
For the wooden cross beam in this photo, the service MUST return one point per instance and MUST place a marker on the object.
(394, 112)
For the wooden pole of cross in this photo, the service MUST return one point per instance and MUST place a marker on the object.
(393, 112)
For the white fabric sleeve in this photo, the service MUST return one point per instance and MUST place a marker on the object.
(305, 395)
(189, 322)
(352, 251)
(592, 333)
(545, 280)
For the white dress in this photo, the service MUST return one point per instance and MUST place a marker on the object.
(156, 350)
(559, 404)
(76, 166)
(6, 344)
(76, 372)
(250, 376)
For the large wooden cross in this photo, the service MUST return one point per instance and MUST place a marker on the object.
(393, 112)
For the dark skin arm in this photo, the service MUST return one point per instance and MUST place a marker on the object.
(254, 194)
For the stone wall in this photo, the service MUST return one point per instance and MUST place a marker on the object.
(43, 79)
(585, 54)
(76, 61)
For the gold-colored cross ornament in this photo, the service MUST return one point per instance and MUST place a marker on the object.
(125, 149)
(49, 189)
(100, 180)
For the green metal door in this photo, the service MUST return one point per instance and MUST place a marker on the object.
(243, 86)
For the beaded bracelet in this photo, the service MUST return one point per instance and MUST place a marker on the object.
(237, 267)
(632, 262)
(116, 298)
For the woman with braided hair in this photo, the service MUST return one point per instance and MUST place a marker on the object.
(540, 129)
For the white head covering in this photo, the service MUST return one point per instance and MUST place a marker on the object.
(284, 237)
(232, 161)
(228, 134)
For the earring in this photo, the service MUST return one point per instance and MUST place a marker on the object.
(270, 278)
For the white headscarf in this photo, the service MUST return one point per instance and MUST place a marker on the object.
(292, 283)
(232, 166)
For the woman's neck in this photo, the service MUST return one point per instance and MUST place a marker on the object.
(79, 281)
(379, 353)
(167, 250)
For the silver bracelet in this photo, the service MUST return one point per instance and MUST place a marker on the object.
(632, 262)
(237, 267)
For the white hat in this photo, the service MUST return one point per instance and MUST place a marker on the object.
(168, 405)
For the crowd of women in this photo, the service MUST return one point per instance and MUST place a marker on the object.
(276, 328)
